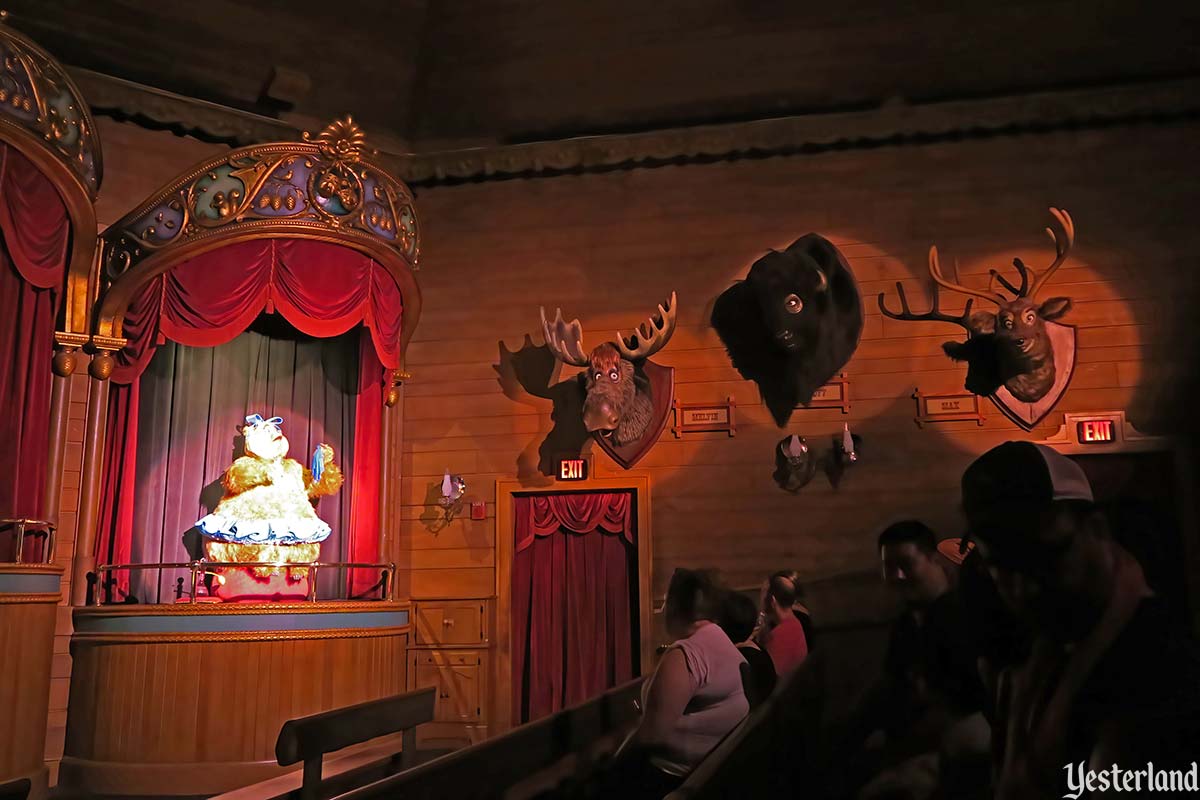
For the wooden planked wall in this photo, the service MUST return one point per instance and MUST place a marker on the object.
(607, 247)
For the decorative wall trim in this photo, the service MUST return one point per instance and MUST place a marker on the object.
(892, 124)
(120, 99)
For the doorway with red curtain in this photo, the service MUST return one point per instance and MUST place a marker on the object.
(574, 598)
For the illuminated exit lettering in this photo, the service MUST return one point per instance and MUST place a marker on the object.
(572, 469)
(1096, 431)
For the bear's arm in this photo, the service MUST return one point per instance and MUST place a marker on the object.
(245, 473)
(331, 477)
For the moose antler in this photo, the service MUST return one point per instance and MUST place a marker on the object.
(934, 314)
(565, 340)
(651, 336)
(1061, 247)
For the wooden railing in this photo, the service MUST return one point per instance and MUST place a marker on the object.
(489, 769)
(310, 739)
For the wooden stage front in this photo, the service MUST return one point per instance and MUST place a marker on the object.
(186, 700)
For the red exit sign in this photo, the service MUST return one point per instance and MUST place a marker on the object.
(1096, 431)
(572, 469)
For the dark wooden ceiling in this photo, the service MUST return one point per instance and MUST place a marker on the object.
(443, 71)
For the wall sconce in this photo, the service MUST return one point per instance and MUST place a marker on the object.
(848, 447)
(795, 464)
(453, 488)
(844, 453)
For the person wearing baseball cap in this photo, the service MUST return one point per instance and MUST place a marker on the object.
(1108, 678)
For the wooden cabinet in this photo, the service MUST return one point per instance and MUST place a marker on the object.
(460, 709)
(459, 678)
(450, 653)
(451, 622)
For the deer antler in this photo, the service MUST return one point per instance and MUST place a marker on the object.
(565, 340)
(933, 315)
(1022, 270)
(651, 336)
(935, 272)
(1061, 247)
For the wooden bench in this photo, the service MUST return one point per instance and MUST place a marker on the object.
(309, 739)
(489, 769)
(15, 790)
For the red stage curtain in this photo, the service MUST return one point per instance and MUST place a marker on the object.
(36, 227)
(574, 590)
(191, 402)
(34, 233)
(322, 290)
(364, 471)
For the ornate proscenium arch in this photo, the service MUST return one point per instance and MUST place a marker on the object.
(325, 188)
(44, 116)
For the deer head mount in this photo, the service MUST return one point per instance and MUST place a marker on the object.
(618, 403)
(1010, 346)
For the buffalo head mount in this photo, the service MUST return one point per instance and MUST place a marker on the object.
(792, 323)
(1010, 347)
(618, 405)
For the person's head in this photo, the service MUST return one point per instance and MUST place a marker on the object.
(779, 595)
(739, 615)
(911, 562)
(1031, 512)
(692, 596)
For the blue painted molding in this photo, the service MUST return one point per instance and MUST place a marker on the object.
(237, 623)
(29, 583)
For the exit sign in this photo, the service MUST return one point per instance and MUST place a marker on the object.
(1095, 431)
(572, 469)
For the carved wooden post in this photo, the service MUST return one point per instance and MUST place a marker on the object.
(391, 429)
(99, 370)
(63, 366)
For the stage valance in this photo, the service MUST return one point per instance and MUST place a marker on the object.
(575, 512)
(321, 289)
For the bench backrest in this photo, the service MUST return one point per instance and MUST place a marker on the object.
(488, 768)
(309, 738)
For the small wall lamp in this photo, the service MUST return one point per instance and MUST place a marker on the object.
(453, 488)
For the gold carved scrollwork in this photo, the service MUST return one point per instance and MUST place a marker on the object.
(47, 103)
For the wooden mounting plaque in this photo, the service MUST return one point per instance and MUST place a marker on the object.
(947, 407)
(835, 394)
(705, 418)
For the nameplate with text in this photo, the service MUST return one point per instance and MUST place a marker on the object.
(704, 418)
(948, 407)
(835, 394)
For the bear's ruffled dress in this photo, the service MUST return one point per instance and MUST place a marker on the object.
(276, 511)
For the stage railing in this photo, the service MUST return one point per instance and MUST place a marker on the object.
(200, 568)
(23, 527)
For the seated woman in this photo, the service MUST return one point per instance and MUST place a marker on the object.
(738, 618)
(695, 697)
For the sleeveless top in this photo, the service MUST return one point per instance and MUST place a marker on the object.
(718, 701)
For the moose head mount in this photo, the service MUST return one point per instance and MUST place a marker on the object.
(793, 323)
(1018, 354)
(621, 408)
